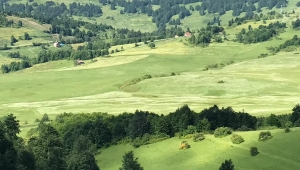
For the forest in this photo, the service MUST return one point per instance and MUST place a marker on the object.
(260, 34)
(70, 141)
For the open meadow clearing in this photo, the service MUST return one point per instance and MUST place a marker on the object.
(211, 152)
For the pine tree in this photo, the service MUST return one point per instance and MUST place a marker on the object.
(227, 165)
(130, 163)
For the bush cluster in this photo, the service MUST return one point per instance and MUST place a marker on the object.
(222, 132)
(198, 137)
(264, 136)
(237, 139)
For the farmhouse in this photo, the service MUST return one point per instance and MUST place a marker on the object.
(56, 44)
(79, 62)
(187, 34)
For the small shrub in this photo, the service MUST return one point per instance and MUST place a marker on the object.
(264, 136)
(222, 132)
(262, 55)
(184, 145)
(237, 139)
(287, 130)
(288, 124)
(37, 120)
(253, 151)
(151, 45)
(221, 81)
(198, 137)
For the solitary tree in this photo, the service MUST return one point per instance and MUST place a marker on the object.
(151, 45)
(13, 40)
(20, 24)
(227, 165)
(26, 36)
(253, 151)
(130, 163)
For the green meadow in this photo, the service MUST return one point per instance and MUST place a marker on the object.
(258, 86)
(112, 84)
(280, 152)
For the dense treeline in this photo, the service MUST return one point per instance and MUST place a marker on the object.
(15, 66)
(71, 140)
(288, 44)
(87, 10)
(160, 16)
(146, 127)
(90, 51)
(248, 6)
(45, 13)
(260, 34)
(242, 20)
(4, 22)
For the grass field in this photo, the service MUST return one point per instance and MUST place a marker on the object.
(131, 21)
(258, 86)
(277, 153)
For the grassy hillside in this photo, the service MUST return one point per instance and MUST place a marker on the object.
(277, 153)
(259, 86)
(131, 21)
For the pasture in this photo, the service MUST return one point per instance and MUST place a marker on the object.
(257, 86)
(211, 152)
(113, 17)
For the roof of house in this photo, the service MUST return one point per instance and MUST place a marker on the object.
(187, 34)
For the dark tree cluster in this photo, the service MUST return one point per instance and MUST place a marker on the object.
(71, 140)
(45, 13)
(260, 34)
(255, 17)
(87, 10)
(15, 66)
(66, 26)
(126, 36)
(248, 6)
(161, 16)
(288, 45)
(104, 130)
(4, 22)
(204, 35)
(43, 151)
(296, 24)
(14, 154)
(144, 127)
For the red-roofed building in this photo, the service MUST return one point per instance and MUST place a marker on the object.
(187, 34)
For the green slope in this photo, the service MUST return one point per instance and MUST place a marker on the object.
(280, 152)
